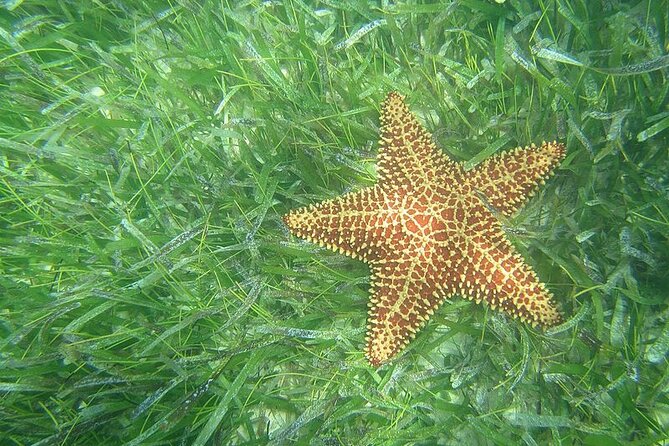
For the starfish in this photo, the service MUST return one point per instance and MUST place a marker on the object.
(429, 231)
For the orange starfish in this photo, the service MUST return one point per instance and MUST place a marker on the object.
(427, 231)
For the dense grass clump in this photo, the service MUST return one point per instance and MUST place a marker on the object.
(150, 294)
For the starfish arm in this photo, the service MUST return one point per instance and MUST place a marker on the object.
(407, 157)
(507, 180)
(491, 270)
(513, 287)
(356, 224)
(403, 297)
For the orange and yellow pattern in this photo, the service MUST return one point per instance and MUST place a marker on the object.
(428, 233)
